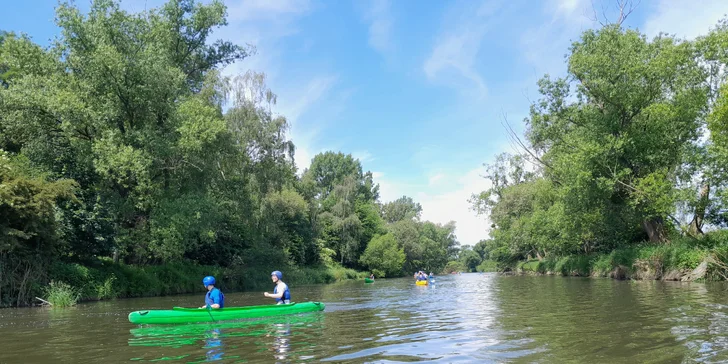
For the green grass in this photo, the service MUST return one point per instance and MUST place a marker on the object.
(60, 294)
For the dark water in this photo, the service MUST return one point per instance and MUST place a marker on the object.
(468, 318)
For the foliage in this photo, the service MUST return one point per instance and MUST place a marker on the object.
(488, 266)
(403, 208)
(618, 155)
(454, 266)
(384, 255)
(61, 295)
(470, 260)
(130, 166)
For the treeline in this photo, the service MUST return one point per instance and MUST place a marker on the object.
(123, 146)
(628, 151)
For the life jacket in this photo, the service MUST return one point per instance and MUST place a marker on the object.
(209, 301)
(286, 298)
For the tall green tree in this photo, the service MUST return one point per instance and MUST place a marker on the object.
(402, 208)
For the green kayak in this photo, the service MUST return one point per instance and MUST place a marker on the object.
(180, 315)
(368, 280)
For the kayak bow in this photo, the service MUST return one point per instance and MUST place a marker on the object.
(180, 315)
(368, 280)
(421, 283)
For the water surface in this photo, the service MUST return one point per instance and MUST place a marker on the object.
(482, 318)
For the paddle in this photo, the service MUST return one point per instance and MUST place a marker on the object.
(210, 312)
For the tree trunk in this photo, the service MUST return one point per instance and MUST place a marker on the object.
(655, 229)
(696, 225)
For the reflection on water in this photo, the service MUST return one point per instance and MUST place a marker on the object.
(214, 337)
(465, 318)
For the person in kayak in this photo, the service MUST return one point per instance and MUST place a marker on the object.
(432, 275)
(280, 291)
(421, 276)
(371, 276)
(214, 297)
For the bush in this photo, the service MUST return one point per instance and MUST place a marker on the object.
(488, 266)
(60, 294)
(454, 266)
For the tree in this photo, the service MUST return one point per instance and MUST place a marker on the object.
(383, 256)
(287, 226)
(638, 103)
(330, 169)
(401, 209)
(129, 105)
(341, 224)
(469, 259)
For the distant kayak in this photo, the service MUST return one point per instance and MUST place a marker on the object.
(180, 315)
(421, 283)
(368, 280)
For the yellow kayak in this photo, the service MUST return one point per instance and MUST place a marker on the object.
(421, 283)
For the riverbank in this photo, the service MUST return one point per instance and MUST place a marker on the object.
(107, 280)
(683, 260)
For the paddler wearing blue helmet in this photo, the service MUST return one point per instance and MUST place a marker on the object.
(214, 297)
(280, 291)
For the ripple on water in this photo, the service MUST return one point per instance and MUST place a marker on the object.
(466, 318)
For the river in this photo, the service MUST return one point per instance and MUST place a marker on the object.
(482, 318)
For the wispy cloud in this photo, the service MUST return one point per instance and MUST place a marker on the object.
(267, 25)
(266, 9)
(453, 205)
(435, 179)
(545, 44)
(363, 156)
(685, 19)
(456, 49)
(380, 19)
(293, 104)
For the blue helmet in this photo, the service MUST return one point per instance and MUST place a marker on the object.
(209, 280)
(278, 274)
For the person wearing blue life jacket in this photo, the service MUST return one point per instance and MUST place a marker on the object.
(280, 291)
(214, 297)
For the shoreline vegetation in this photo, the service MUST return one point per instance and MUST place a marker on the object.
(687, 260)
(621, 168)
(72, 283)
(131, 166)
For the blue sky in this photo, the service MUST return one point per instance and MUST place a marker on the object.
(417, 90)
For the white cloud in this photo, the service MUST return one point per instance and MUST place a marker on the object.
(453, 205)
(377, 175)
(458, 46)
(295, 102)
(380, 21)
(435, 179)
(363, 156)
(266, 9)
(685, 19)
(266, 25)
(568, 7)
(545, 44)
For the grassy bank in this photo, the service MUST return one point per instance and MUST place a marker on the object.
(106, 280)
(684, 259)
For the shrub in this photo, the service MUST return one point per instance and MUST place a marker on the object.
(60, 294)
